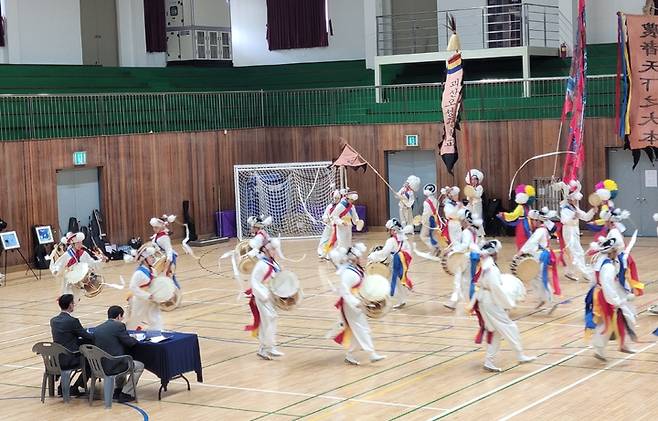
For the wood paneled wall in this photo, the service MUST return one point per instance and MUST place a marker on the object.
(147, 175)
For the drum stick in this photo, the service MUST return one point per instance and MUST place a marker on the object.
(116, 286)
(425, 255)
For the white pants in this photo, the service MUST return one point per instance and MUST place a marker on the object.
(576, 261)
(267, 328)
(125, 383)
(542, 293)
(476, 209)
(406, 215)
(497, 320)
(144, 312)
(344, 235)
(67, 288)
(454, 230)
(425, 237)
(461, 285)
(401, 293)
(326, 235)
(358, 323)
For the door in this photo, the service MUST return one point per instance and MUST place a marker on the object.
(638, 190)
(98, 26)
(78, 195)
(401, 165)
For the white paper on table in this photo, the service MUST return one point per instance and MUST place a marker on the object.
(651, 178)
(157, 339)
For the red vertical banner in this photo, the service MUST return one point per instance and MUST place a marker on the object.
(575, 100)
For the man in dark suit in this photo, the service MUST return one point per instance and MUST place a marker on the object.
(68, 332)
(112, 337)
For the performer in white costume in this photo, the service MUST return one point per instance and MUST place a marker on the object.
(539, 245)
(466, 243)
(162, 242)
(398, 248)
(76, 253)
(354, 329)
(570, 217)
(329, 227)
(430, 233)
(451, 208)
(261, 303)
(608, 308)
(143, 310)
(344, 216)
(407, 197)
(490, 304)
(474, 178)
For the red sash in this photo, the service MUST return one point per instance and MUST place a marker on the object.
(252, 303)
(346, 211)
(76, 258)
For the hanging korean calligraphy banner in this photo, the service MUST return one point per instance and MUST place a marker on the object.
(637, 84)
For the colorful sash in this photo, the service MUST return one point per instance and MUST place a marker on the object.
(598, 310)
(344, 337)
(518, 219)
(401, 262)
(75, 256)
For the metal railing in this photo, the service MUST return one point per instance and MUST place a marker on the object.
(75, 115)
(508, 25)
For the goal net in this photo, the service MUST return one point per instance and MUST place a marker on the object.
(295, 195)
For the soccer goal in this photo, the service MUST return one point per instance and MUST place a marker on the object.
(295, 195)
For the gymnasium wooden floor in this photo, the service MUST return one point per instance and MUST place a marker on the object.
(433, 368)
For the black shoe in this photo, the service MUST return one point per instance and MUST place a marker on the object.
(117, 393)
(124, 397)
(75, 391)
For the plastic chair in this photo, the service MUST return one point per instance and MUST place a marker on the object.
(94, 356)
(50, 352)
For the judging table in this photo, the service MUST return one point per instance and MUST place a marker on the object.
(171, 358)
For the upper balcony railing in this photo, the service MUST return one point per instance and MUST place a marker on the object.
(509, 25)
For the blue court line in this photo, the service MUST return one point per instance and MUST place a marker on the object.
(140, 410)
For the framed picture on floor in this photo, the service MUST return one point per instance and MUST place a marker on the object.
(45, 234)
(9, 240)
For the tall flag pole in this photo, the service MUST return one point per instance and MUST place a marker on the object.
(575, 100)
(452, 101)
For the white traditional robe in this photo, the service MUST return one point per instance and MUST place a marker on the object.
(67, 260)
(344, 216)
(493, 303)
(264, 270)
(475, 206)
(397, 243)
(328, 228)
(407, 197)
(570, 216)
(143, 311)
(430, 208)
(461, 281)
(615, 295)
(355, 322)
(451, 210)
(536, 244)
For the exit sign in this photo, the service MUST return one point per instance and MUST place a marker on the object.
(80, 158)
(411, 140)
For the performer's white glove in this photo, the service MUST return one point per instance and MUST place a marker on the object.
(630, 297)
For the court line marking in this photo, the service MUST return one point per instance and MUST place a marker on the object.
(310, 395)
(574, 384)
(508, 384)
(276, 392)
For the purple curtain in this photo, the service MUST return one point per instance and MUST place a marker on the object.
(155, 26)
(2, 29)
(296, 24)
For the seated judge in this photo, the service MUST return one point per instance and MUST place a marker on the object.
(68, 332)
(112, 337)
